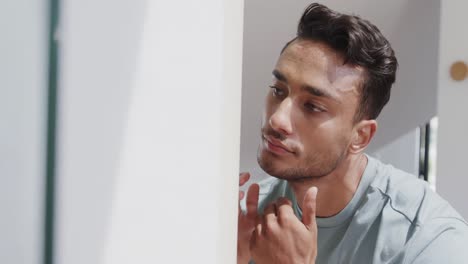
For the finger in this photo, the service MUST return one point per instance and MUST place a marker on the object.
(270, 209)
(285, 210)
(258, 220)
(270, 221)
(270, 212)
(241, 195)
(252, 200)
(259, 229)
(243, 178)
(255, 234)
(309, 208)
(284, 201)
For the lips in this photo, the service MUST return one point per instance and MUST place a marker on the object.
(276, 146)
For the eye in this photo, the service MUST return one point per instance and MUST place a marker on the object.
(313, 108)
(277, 92)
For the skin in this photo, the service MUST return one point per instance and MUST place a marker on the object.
(311, 139)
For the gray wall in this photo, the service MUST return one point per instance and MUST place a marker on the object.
(412, 28)
(402, 152)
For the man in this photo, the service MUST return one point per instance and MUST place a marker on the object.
(328, 201)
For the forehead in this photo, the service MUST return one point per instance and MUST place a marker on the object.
(316, 64)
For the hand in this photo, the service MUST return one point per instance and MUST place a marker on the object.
(280, 237)
(246, 222)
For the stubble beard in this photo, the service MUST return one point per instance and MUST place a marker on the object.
(313, 166)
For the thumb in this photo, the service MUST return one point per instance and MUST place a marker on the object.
(309, 206)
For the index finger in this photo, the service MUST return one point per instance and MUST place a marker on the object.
(243, 178)
(252, 199)
(285, 209)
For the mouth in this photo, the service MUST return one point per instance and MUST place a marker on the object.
(276, 146)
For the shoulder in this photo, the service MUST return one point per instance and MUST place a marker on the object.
(439, 240)
(411, 197)
(430, 229)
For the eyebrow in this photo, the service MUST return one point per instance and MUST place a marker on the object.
(310, 89)
(279, 76)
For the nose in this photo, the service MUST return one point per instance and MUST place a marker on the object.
(280, 120)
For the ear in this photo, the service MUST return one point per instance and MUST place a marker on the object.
(363, 133)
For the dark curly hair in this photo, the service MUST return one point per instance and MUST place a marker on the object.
(362, 44)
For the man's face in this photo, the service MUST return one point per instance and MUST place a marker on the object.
(308, 123)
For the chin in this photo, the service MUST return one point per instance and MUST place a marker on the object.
(264, 160)
(291, 170)
(271, 164)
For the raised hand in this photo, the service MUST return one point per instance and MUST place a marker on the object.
(280, 237)
(246, 221)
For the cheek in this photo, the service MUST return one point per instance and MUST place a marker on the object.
(323, 137)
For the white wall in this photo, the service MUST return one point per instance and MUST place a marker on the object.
(99, 44)
(452, 176)
(148, 131)
(412, 28)
(23, 90)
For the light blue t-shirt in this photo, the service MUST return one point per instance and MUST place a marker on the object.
(392, 218)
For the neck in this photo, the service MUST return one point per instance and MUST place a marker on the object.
(336, 189)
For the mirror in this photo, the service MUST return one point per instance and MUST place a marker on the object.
(289, 107)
